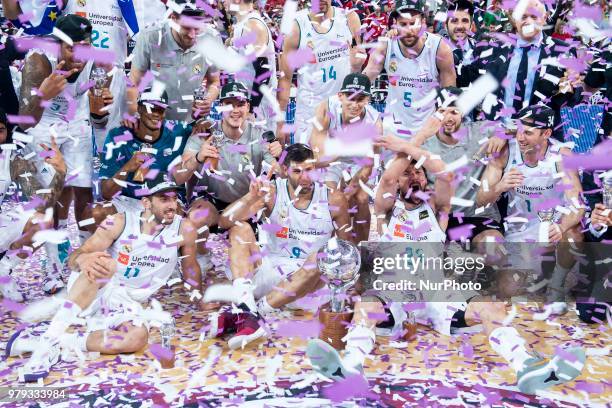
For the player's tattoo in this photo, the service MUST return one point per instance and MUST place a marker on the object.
(35, 70)
(23, 172)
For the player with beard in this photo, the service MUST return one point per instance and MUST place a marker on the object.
(446, 134)
(328, 34)
(114, 272)
(300, 215)
(530, 170)
(339, 116)
(54, 93)
(400, 199)
(417, 63)
(460, 29)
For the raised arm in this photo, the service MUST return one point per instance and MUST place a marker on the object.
(446, 65)
(319, 134)
(188, 251)
(388, 185)
(261, 196)
(37, 67)
(339, 210)
(376, 62)
(491, 187)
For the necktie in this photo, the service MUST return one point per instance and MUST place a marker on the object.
(521, 80)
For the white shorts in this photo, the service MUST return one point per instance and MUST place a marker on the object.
(75, 141)
(123, 204)
(12, 224)
(111, 307)
(334, 173)
(271, 272)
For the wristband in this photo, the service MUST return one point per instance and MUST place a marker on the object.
(198, 160)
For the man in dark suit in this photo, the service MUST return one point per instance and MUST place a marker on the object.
(460, 29)
(531, 71)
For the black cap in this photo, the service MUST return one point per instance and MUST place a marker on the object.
(538, 116)
(148, 96)
(76, 27)
(447, 96)
(234, 90)
(189, 8)
(160, 184)
(356, 83)
(406, 6)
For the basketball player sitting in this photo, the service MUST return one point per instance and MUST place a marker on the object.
(114, 271)
(403, 213)
(531, 171)
(303, 215)
(348, 114)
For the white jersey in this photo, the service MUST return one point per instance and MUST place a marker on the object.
(323, 75)
(539, 187)
(334, 112)
(419, 224)
(411, 81)
(301, 231)
(145, 262)
(72, 105)
(247, 74)
(5, 169)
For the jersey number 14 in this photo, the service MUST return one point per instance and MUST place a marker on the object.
(330, 76)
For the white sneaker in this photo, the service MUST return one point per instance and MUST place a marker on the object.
(10, 290)
(551, 309)
(52, 282)
(25, 340)
(43, 358)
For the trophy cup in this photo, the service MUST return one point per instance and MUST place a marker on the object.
(216, 140)
(339, 261)
(139, 175)
(547, 217)
(199, 95)
(99, 78)
(167, 332)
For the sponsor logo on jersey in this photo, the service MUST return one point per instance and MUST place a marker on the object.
(197, 69)
(123, 259)
(81, 13)
(283, 233)
(397, 232)
(82, 3)
(423, 214)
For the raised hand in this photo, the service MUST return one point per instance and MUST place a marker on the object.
(56, 159)
(55, 83)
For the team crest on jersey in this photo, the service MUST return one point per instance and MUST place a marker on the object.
(393, 65)
(82, 3)
(197, 69)
(423, 214)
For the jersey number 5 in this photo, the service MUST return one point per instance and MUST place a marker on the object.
(330, 76)
(407, 99)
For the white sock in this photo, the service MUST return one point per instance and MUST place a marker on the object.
(83, 236)
(7, 263)
(263, 307)
(359, 343)
(508, 343)
(62, 319)
(78, 341)
(245, 292)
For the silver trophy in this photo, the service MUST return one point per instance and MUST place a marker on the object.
(100, 78)
(547, 215)
(200, 93)
(167, 332)
(339, 261)
(607, 190)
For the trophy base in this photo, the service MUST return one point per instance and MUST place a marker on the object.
(169, 360)
(335, 327)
